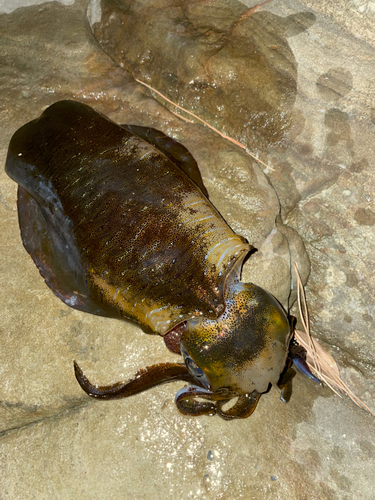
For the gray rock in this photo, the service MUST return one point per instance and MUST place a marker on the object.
(57, 443)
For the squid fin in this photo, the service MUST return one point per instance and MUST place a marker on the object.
(175, 151)
(54, 255)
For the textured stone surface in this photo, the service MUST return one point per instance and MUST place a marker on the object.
(11, 5)
(56, 442)
(358, 16)
(329, 173)
(125, 451)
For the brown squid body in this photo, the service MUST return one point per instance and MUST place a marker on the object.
(118, 222)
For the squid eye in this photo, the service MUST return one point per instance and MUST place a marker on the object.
(194, 369)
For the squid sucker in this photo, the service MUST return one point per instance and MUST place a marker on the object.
(118, 222)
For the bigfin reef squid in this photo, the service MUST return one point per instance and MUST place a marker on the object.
(119, 224)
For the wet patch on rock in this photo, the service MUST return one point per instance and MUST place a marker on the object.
(230, 64)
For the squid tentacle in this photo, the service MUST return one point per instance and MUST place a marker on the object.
(144, 379)
(243, 408)
(187, 404)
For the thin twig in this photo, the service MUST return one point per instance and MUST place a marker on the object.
(180, 116)
(304, 314)
(249, 12)
(322, 363)
(237, 143)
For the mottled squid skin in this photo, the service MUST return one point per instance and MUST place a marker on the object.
(117, 220)
(221, 347)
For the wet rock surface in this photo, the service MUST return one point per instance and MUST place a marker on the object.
(318, 141)
(232, 65)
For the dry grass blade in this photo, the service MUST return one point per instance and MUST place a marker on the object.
(237, 143)
(320, 362)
